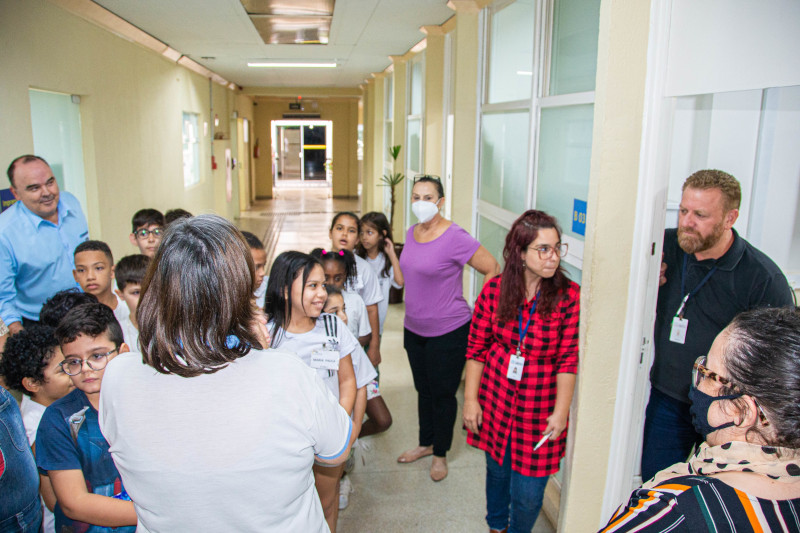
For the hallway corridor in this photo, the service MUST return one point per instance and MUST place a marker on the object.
(389, 497)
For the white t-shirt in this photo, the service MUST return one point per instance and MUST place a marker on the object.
(356, 311)
(122, 311)
(31, 416)
(228, 451)
(363, 368)
(261, 293)
(130, 333)
(385, 283)
(305, 344)
(366, 284)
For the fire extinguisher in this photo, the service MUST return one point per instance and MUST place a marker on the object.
(256, 150)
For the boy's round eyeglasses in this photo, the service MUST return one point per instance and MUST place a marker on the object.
(145, 233)
(96, 361)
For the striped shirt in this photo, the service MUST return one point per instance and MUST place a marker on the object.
(702, 503)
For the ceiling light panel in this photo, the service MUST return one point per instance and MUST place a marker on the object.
(291, 21)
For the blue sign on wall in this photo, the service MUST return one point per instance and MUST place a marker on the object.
(579, 217)
(7, 199)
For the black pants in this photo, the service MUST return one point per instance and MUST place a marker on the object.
(436, 364)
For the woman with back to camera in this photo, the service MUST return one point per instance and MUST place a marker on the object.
(437, 317)
(210, 431)
(746, 475)
(521, 364)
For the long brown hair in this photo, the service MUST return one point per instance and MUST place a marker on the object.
(512, 285)
(195, 295)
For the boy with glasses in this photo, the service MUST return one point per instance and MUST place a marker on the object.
(70, 449)
(148, 227)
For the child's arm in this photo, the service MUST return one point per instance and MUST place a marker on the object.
(359, 410)
(80, 504)
(374, 351)
(347, 384)
(46, 490)
(398, 274)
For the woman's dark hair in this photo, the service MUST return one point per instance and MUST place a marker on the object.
(90, 320)
(26, 355)
(286, 268)
(333, 290)
(762, 358)
(429, 179)
(512, 285)
(196, 294)
(343, 257)
(378, 221)
(350, 214)
(57, 305)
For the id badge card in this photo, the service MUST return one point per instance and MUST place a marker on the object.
(325, 359)
(515, 366)
(678, 332)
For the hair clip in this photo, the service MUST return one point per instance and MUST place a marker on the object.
(341, 252)
(324, 252)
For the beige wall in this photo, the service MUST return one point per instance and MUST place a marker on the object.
(616, 142)
(131, 110)
(342, 111)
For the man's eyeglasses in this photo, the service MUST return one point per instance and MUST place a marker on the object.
(700, 372)
(427, 177)
(145, 233)
(73, 366)
(545, 252)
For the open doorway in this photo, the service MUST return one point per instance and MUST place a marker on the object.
(302, 153)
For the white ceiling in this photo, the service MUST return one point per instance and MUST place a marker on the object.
(363, 34)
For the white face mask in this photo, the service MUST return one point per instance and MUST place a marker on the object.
(424, 211)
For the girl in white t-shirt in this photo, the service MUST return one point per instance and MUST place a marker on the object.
(377, 248)
(338, 268)
(294, 303)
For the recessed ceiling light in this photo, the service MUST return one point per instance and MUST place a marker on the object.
(273, 64)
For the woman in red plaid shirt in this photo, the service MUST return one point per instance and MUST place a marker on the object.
(521, 364)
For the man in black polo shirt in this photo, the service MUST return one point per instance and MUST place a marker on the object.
(709, 275)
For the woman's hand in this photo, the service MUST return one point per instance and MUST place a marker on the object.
(556, 423)
(260, 330)
(473, 415)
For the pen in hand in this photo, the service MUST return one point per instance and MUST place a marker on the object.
(542, 441)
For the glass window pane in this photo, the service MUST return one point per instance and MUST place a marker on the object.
(511, 53)
(416, 86)
(493, 237)
(504, 160)
(191, 150)
(414, 132)
(565, 151)
(573, 63)
(387, 141)
(388, 104)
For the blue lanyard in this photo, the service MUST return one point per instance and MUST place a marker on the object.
(523, 332)
(696, 289)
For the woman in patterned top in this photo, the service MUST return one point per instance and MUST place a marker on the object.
(746, 475)
(521, 364)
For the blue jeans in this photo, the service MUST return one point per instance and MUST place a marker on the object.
(668, 434)
(506, 488)
(20, 507)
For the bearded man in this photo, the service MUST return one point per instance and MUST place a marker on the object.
(709, 275)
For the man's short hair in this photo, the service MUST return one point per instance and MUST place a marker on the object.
(253, 241)
(131, 269)
(95, 246)
(146, 217)
(57, 305)
(26, 355)
(717, 179)
(27, 158)
(176, 214)
(90, 320)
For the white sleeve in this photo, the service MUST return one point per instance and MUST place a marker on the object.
(347, 341)
(364, 370)
(371, 290)
(363, 319)
(331, 427)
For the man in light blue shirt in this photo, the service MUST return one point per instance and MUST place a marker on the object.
(37, 237)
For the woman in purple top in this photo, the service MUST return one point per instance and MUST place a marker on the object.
(437, 317)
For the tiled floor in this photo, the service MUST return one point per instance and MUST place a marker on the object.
(389, 497)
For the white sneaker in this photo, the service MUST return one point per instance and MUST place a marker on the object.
(345, 489)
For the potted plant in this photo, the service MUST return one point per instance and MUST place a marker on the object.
(392, 181)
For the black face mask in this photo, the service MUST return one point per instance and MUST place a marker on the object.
(701, 403)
